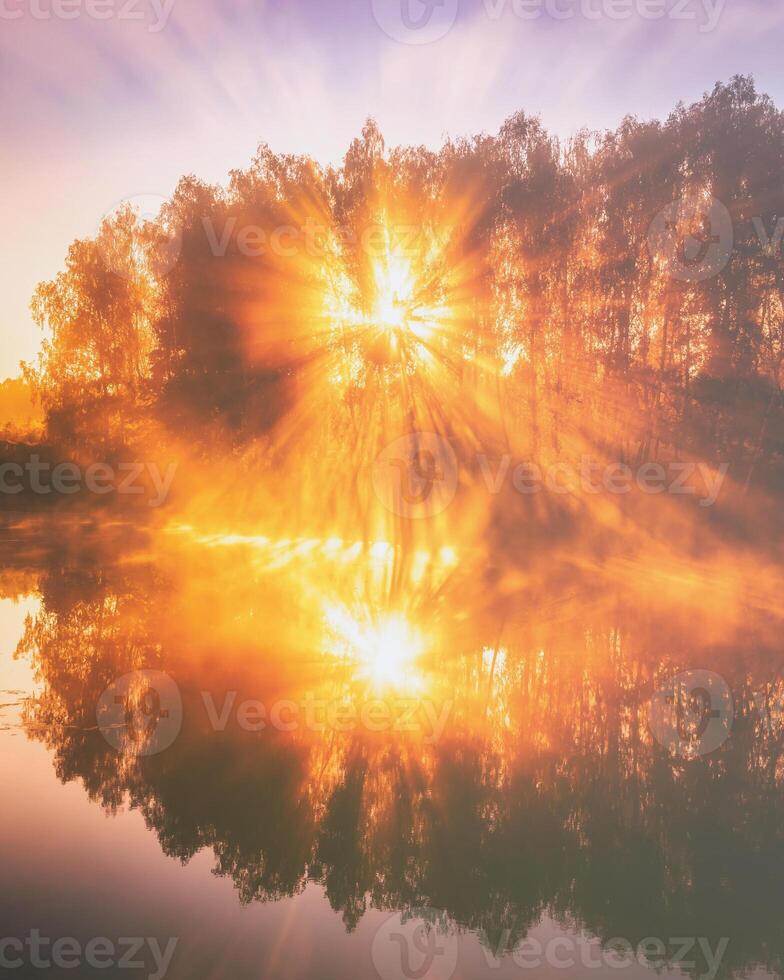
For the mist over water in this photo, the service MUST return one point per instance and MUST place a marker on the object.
(508, 773)
(391, 582)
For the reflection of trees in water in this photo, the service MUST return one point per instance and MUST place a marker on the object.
(546, 794)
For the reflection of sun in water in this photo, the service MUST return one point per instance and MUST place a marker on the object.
(385, 650)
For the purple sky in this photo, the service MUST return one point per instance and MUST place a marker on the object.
(97, 110)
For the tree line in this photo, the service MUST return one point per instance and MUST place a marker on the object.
(619, 291)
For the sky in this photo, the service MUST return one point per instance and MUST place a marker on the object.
(105, 100)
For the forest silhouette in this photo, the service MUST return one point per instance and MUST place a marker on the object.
(618, 296)
(506, 292)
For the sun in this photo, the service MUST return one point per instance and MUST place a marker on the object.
(395, 288)
(386, 650)
(397, 313)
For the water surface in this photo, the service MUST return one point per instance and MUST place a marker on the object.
(354, 736)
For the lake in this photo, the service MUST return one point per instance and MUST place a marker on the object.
(233, 755)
